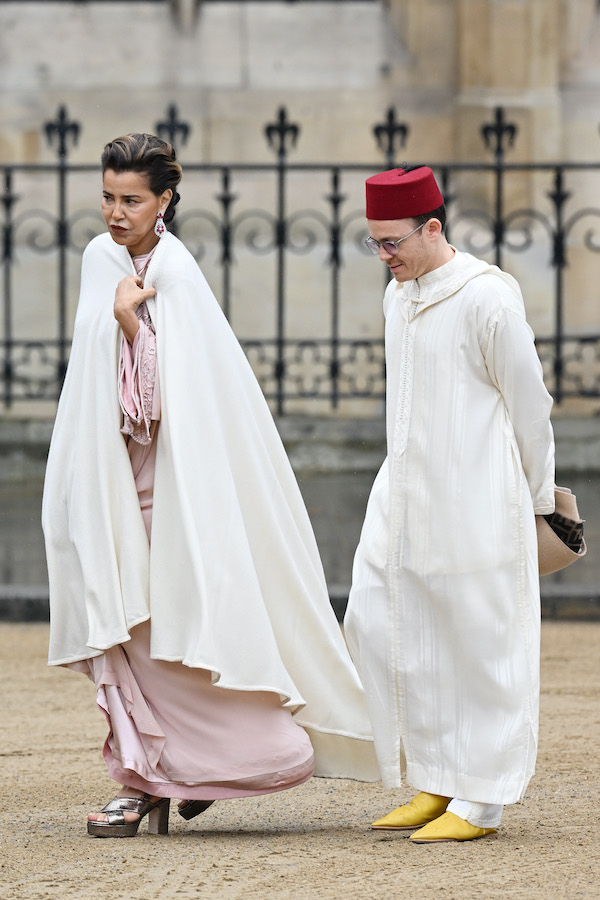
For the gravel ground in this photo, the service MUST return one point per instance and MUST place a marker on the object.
(313, 841)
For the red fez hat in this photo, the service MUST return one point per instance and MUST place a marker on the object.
(397, 194)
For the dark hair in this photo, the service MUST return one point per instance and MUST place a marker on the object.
(439, 213)
(147, 155)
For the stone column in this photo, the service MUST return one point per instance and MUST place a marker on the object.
(474, 55)
(509, 54)
(185, 12)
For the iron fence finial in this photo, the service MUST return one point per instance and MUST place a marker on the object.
(173, 127)
(502, 132)
(62, 128)
(389, 133)
(282, 134)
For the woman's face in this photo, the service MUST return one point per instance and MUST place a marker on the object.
(129, 208)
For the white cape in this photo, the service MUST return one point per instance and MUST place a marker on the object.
(232, 582)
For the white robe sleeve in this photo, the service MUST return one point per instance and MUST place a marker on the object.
(514, 367)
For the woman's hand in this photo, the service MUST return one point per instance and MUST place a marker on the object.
(128, 296)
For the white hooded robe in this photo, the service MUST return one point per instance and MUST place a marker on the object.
(444, 613)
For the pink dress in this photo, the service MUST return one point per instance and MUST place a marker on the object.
(172, 732)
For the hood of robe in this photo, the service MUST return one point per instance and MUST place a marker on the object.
(417, 295)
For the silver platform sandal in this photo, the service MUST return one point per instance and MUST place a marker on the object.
(116, 826)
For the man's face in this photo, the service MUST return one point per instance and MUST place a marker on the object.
(413, 257)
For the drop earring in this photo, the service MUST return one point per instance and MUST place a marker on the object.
(159, 228)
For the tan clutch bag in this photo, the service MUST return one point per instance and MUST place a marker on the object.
(560, 535)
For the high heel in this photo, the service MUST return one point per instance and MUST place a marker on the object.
(193, 808)
(116, 826)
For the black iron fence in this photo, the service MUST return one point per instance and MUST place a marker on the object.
(282, 245)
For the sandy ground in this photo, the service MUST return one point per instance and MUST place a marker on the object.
(310, 842)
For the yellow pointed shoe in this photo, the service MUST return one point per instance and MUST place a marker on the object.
(422, 809)
(449, 828)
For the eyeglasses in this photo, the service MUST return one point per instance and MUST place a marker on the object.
(390, 247)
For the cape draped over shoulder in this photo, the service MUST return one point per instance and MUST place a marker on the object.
(232, 581)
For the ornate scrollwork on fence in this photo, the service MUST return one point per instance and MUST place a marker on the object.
(33, 367)
(320, 370)
(82, 227)
(37, 230)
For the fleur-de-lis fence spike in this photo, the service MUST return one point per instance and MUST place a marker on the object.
(496, 137)
(62, 128)
(391, 135)
(173, 127)
(282, 134)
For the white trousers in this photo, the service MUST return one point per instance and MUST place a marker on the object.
(482, 815)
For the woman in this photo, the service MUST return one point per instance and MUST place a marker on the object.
(184, 576)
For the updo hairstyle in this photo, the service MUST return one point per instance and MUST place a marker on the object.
(147, 155)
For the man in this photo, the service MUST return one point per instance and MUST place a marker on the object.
(443, 616)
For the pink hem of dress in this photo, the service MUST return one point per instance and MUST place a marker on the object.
(175, 734)
(204, 791)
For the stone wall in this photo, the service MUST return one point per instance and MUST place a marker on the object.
(442, 63)
(117, 66)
